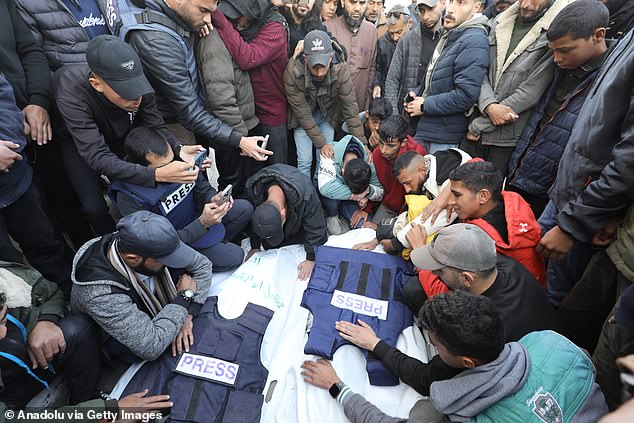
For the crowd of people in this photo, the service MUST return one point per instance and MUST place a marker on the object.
(486, 142)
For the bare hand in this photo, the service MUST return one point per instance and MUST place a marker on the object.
(320, 373)
(213, 213)
(304, 269)
(376, 92)
(556, 243)
(500, 114)
(370, 225)
(360, 335)
(437, 205)
(360, 196)
(362, 203)
(607, 234)
(473, 138)
(250, 254)
(39, 123)
(250, 147)
(176, 172)
(374, 139)
(45, 340)
(185, 337)
(136, 402)
(189, 152)
(299, 48)
(413, 108)
(370, 245)
(357, 217)
(205, 30)
(417, 236)
(7, 155)
(327, 151)
(186, 282)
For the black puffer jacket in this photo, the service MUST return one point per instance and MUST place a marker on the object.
(56, 29)
(304, 208)
(595, 181)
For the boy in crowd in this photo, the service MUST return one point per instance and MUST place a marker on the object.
(204, 220)
(378, 110)
(477, 197)
(347, 182)
(577, 39)
(543, 376)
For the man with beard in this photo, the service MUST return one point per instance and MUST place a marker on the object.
(163, 34)
(412, 53)
(398, 24)
(359, 37)
(256, 35)
(497, 7)
(521, 67)
(121, 281)
(374, 15)
(302, 17)
(621, 17)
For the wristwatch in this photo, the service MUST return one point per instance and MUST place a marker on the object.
(335, 389)
(186, 294)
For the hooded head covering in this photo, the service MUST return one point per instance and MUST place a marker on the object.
(258, 12)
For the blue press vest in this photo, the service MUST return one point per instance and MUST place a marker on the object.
(175, 202)
(19, 361)
(237, 341)
(368, 274)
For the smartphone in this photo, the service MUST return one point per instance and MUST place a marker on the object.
(200, 159)
(225, 194)
(408, 98)
(265, 142)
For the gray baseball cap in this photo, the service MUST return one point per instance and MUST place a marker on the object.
(463, 246)
(317, 48)
(152, 236)
(430, 3)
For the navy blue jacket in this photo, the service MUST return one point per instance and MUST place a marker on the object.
(17, 180)
(455, 85)
(533, 165)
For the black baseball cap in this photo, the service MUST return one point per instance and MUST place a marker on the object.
(152, 236)
(317, 48)
(117, 63)
(266, 223)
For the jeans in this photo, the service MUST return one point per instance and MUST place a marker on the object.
(434, 147)
(225, 255)
(561, 276)
(304, 144)
(345, 208)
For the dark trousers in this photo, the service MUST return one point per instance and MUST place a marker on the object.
(278, 142)
(499, 156)
(80, 364)
(88, 186)
(27, 223)
(226, 255)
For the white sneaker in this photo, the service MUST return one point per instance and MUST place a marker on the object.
(333, 225)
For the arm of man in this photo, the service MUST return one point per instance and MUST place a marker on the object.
(372, 75)
(359, 410)
(393, 78)
(271, 42)
(330, 184)
(349, 107)
(314, 225)
(217, 69)
(470, 69)
(200, 269)
(376, 189)
(171, 79)
(92, 146)
(299, 105)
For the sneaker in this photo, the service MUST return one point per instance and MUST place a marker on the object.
(333, 225)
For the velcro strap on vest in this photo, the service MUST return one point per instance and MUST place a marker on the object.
(256, 318)
(149, 16)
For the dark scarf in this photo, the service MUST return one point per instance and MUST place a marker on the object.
(259, 13)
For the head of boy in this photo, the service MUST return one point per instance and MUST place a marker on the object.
(462, 255)
(411, 171)
(318, 54)
(147, 147)
(355, 171)
(577, 34)
(466, 329)
(458, 12)
(116, 72)
(392, 136)
(476, 188)
(379, 109)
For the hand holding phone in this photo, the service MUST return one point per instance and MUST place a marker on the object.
(225, 195)
(200, 159)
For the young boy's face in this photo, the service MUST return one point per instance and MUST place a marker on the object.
(466, 204)
(373, 123)
(570, 54)
(389, 148)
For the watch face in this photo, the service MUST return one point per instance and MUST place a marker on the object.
(189, 293)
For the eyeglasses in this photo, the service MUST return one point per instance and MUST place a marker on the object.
(397, 15)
